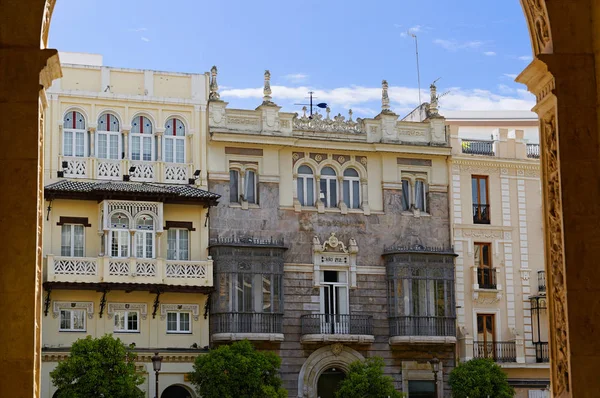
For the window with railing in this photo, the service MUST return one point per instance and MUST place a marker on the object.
(486, 345)
(533, 151)
(486, 274)
(541, 281)
(477, 147)
(481, 207)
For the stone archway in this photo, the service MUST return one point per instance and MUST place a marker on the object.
(177, 391)
(331, 356)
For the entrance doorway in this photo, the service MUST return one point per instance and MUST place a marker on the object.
(176, 392)
(329, 382)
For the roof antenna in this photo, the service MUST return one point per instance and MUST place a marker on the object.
(321, 105)
(418, 70)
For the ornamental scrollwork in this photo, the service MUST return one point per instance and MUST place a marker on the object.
(539, 25)
(75, 305)
(337, 124)
(193, 308)
(141, 307)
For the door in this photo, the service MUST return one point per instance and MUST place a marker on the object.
(334, 303)
(486, 336)
(329, 382)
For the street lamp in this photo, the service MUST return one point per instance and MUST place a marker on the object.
(156, 363)
(434, 364)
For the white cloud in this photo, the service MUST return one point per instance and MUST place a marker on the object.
(138, 29)
(512, 76)
(143, 38)
(526, 58)
(296, 77)
(489, 53)
(453, 45)
(413, 29)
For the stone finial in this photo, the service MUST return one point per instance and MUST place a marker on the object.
(214, 87)
(385, 99)
(433, 104)
(267, 89)
(328, 110)
(304, 109)
(350, 115)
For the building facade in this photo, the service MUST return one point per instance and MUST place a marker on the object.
(331, 242)
(126, 236)
(498, 235)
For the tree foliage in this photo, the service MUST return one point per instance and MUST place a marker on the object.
(98, 368)
(479, 378)
(238, 371)
(365, 379)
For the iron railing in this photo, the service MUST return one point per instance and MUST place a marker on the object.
(476, 147)
(246, 322)
(499, 351)
(541, 281)
(337, 324)
(422, 326)
(481, 214)
(486, 278)
(533, 151)
(542, 352)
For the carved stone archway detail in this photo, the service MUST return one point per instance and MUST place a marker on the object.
(538, 23)
(336, 355)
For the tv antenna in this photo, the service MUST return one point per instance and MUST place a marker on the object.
(321, 105)
(417, 53)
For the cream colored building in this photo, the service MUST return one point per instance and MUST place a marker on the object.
(126, 221)
(498, 235)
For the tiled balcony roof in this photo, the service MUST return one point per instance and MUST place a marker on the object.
(91, 190)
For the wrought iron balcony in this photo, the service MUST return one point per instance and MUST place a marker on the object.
(476, 147)
(486, 278)
(129, 270)
(541, 281)
(481, 214)
(533, 151)
(246, 323)
(499, 351)
(423, 326)
(337, 324)
(542, 352)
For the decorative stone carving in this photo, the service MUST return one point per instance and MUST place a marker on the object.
(193, 308)
(477, 233)
(487, 298)
(341, 159)
(67, 305)
(385, 99)
(338, 124)
(337, 349)
(214, 87)
(525, 273)
(333, 254)
(243, 120)
(297, 156)
(48, 9)
(267, 89)
(141, 307)
(433, 105)
(539, 25)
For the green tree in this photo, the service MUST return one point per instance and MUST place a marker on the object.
(479, 378)
(98, 368)
(366, 380)
(238, 371)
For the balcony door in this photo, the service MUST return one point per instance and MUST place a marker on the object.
(486, 278)
(334, 302)
(481, 204)
(486, 336)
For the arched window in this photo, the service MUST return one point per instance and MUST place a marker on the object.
(144, 237)
(351, 188)
(174, 141)
(142, 139)
(119, 235)
(74, 134)
(109, 137)
(329, 187)
(306, 186)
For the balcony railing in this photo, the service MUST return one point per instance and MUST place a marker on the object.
(129, 270)
(486, 278)
(499, 351)
(533, 151)
(542, 352)
(337, 324)
(541, 281)
(114, 169)
(475, 147)
(246, 322)
(422, 326)
(481, 214)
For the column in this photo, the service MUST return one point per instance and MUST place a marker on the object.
(159, 138)
(364, 190)
(92, 131)
(296, 201)
(341, 203)
(320, 203)
(126, 146)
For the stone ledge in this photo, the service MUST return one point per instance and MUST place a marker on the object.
(515, 365)
(396, 340)
(248, 336)
(338, 338)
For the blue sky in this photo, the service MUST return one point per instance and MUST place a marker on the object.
(340, 49)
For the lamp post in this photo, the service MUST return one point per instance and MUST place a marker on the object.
(156, 364)
(434, 365)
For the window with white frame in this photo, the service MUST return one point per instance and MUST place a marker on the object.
(127, 321)
(329, 187)
(142, 139)
(306, 186)
(243, 186)
(174, 139)
(72, 241)
(179, 322)
(351, 188)
(144, 237)
(108, 136)
(406, 196)
(119, 235)
(72, 320)
(74, 134)
(178, 244)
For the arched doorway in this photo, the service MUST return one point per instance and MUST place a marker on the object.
(329, 382)
(176, 391)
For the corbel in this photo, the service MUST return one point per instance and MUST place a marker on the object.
(47, 302)
(103, 302)
(156, 304)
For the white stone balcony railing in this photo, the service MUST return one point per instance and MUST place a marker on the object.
(114, 169)
(129, 270)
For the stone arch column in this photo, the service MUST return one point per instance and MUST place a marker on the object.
(335, 355)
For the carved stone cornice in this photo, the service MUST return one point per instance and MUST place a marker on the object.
(497, 165)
